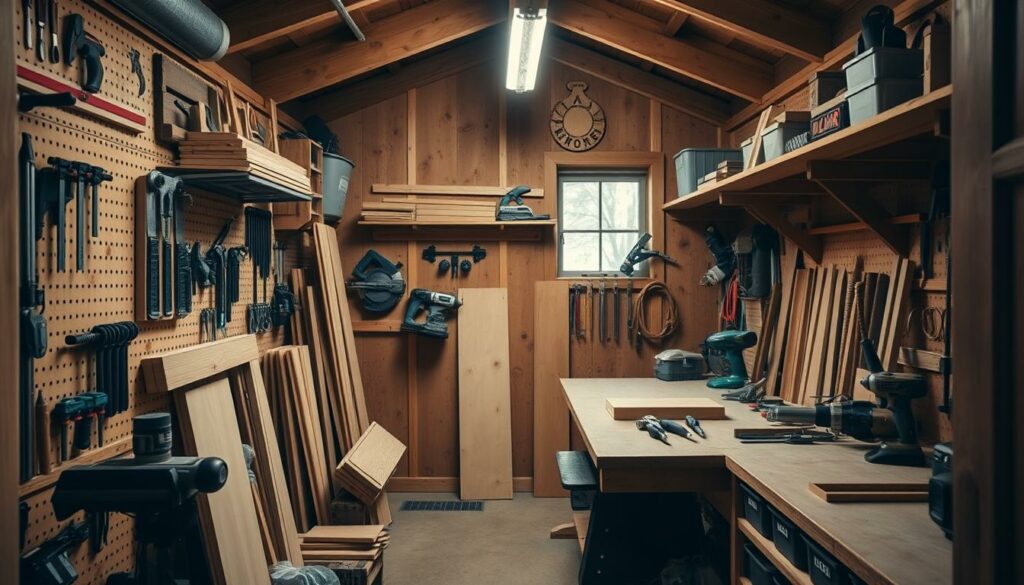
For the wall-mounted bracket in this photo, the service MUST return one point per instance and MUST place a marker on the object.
(850, 195)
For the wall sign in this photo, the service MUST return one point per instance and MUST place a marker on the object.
(577, 122)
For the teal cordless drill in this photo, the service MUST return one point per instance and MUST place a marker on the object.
(731, 344)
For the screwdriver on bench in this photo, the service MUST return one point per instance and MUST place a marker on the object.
(694, 424)
(674, 428)
(653, 428)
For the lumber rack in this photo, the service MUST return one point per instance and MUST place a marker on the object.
(896, 145)
(241, 185)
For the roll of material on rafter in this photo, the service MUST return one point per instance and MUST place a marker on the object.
(189, 24)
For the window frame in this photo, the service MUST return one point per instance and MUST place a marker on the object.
(639, 176)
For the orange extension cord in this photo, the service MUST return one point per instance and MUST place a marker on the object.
(669, 309)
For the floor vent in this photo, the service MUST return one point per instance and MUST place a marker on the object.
(441, 506)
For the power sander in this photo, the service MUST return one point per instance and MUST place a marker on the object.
(520, 211)
(731, 345)
(892, 418)
(378, 282)
(438, 307)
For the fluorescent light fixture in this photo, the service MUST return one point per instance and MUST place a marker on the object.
(524, 46)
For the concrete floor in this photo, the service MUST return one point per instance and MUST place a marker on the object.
(505, 544)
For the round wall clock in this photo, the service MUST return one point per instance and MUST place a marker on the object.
(577, 122)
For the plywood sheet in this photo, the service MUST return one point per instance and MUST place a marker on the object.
(550, 364)
(629, 408)
(228, 516)
(485, 419)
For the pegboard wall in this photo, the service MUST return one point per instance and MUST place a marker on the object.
(104, 291)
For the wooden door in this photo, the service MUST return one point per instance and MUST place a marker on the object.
(988, 291)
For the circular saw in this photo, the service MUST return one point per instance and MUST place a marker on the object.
(378, 282)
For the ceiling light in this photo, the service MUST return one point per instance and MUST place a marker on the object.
(524, 48)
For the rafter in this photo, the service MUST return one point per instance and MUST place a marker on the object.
(683, 98)
(256, 22)
(304, 70)
(728, 70)
(345, 100)
(764, 23)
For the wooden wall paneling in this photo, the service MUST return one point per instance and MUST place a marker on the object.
(9, 315)
(524, 264)
(478, 114)
(485, 418)
(437, 134)
(550, 363)
(229, 515)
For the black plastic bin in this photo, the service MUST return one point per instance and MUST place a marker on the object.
(824, 568)
(788, 539)
(760, 570)
(756, 512)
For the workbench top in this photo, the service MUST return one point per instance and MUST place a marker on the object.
(888, 543)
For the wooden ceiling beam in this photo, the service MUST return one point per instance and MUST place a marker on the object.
(256, 22)
(323, 63)
(346, 100)
(730, 71)
(764, 23)
(680, 97)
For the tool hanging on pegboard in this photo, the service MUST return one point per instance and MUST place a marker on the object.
(258, 240)
(161, 257)
(33, 339)
(283, 303)
(111, 344)
(378, 282)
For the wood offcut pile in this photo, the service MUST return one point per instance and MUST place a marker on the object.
(816, 354)
(324, 545)
(428, 210)
(227, 151)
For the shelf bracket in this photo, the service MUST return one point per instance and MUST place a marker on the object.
(868, 171)
(766, 212)
(851, 196)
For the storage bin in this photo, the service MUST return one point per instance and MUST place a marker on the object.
(823, 568)
(694, 163)
(760, 570)
(774, 137)
(825, 85)
(788, 539)
(882, 63)
(880, 96)
(747, 146)
(337, 172)
(799, 141)
(754, 510)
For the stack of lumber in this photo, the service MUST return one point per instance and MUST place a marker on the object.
(297, 419)
(355, 548)
(371, 462)
(429, 210)
(227, 151)
(824, 310)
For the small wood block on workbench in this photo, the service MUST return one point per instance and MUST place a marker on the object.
(847, 493)
(674, 408)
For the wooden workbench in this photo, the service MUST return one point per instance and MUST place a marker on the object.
(888, 543)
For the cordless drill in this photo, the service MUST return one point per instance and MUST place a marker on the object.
(731, 344)
(438, 306)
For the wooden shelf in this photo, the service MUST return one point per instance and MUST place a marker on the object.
(501, 225)
(532, 230)
(913, 118)
(767, 547)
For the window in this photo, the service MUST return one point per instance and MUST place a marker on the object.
(601, 215)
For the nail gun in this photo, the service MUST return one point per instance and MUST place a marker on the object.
(438, 306)
(640, 253)
(518, 212)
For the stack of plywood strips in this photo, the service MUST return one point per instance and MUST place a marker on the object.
(226, 151)
(825, 310)
(325, 545)
(429, 210)
(371, 462)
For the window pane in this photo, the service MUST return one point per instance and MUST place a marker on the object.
(614, 248)
(579, 252)
(579, 205)
(620, 206)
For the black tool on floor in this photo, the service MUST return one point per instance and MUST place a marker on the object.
(694, 425)
(49, 563)
(51, 13)
(158, 490)
(97, 176)
(110, 342)
(32, 303)
(639, 254)
(78, 43)
(437, 305)
(378, 282)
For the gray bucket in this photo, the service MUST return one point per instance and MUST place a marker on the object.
(337, 173)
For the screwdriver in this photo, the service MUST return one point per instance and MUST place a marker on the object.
(695, 425)
(653, 428)
(674, 428)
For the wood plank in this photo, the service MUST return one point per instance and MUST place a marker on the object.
(174, 369)
(301, 71)
(364, 534)
(897, 326)
(485, 425)
(792, 362)
(835, 493)
(633, 408)
(834, 340)
(732, 72)
(790, 30)
(373, 459)
(461, 190)
(550, 364)
(811, 339)
(677, 96)
(262, 21)
(228, 516)
(783, 326)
